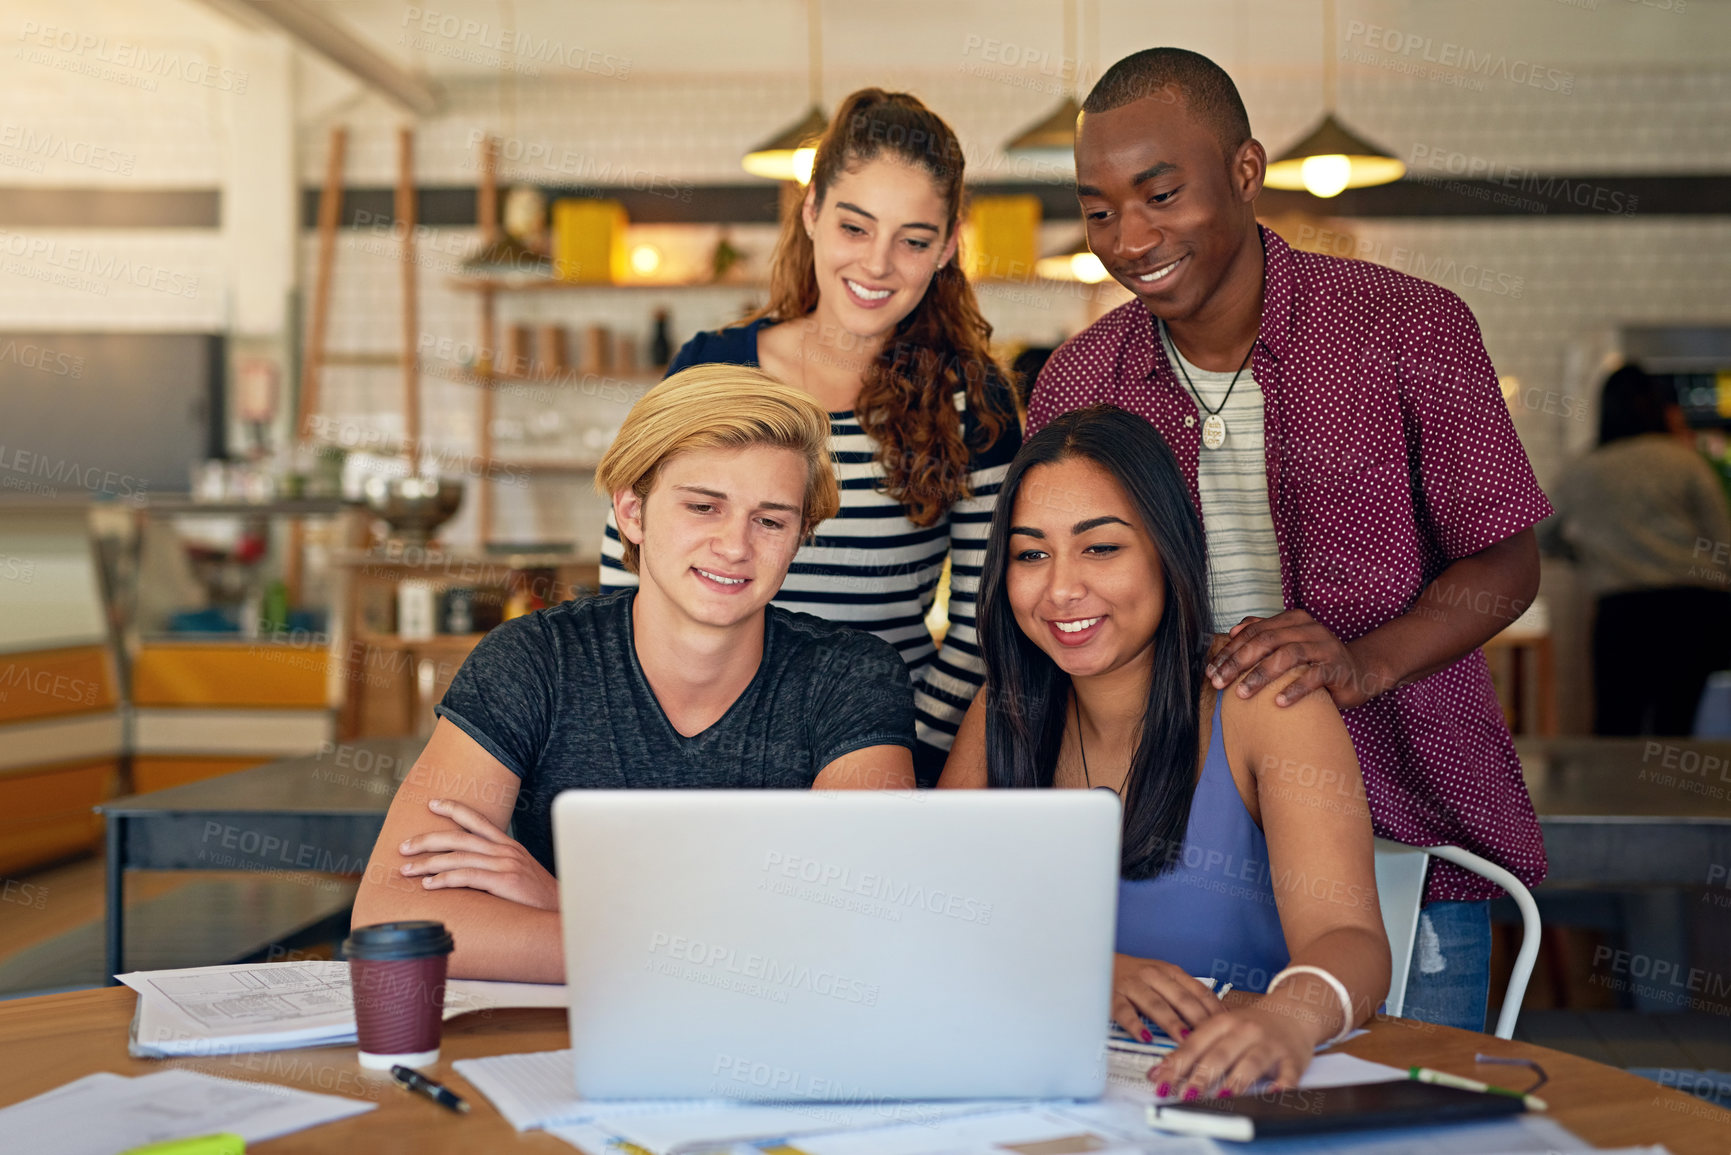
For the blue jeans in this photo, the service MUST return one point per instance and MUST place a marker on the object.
(1451, 965)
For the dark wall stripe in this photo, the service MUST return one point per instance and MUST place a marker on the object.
(1523, 196)
(75, 208)
(1527, 196)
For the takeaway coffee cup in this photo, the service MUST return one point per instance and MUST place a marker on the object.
(397, 970)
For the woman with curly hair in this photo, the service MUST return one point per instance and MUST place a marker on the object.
(869, 313)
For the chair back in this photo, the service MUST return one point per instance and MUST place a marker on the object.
(1400, 871)
(1400, 874)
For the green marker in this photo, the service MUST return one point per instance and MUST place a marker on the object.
(1444, 1079)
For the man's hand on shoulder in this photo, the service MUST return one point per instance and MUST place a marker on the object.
(478, 856)
(1269, 648)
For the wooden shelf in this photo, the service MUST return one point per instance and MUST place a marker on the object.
(434, 558)
(566, 468)
(568, 377)
(537, 284)
(392, 642)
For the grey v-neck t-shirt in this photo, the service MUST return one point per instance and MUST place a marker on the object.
(559, 697)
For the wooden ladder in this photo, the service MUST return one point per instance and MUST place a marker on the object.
(316, 357)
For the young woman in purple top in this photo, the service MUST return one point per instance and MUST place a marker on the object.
(1246, 840)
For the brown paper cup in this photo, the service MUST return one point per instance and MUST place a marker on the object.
(397, 970)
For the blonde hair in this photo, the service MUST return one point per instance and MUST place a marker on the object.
(720, 407)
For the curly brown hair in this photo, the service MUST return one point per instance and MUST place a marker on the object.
(907, 399)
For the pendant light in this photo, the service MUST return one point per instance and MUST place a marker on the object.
(1331, 157)
(1052, 139)
(1071, 262)
(790, 153)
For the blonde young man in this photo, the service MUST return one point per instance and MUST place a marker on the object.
(689, 680)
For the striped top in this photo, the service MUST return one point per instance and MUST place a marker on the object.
(1243, 556)
(872, 568)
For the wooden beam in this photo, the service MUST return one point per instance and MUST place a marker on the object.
(316, 32)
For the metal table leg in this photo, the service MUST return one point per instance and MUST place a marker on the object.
(116, 905)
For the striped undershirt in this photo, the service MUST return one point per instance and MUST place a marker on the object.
(1243, 555)
(871, 567)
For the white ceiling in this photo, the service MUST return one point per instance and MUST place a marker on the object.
(1273, 37)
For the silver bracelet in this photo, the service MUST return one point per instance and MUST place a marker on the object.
(1339, 989)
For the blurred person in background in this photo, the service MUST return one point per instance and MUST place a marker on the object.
(870, 313)
(1644, 517)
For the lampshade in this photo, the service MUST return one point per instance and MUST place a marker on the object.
(788, 155)
(1052, 137)
(1330, 159)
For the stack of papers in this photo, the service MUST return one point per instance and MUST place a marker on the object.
(107, 1112)
(537, 1092)
(224, 1010)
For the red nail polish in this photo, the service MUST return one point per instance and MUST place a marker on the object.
(1224, 1094)
(1163, 1090)
(1184, 1032)
(1147, 1035)
(1191, 1094)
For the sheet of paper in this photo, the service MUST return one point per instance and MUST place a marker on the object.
(537, 1089)
(275, 1006)
(1127, 1075)
(673, 1132)
(991, 1133)
(104, 1113)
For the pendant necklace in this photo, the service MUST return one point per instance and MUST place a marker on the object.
(1214, 425)
(1082, 749)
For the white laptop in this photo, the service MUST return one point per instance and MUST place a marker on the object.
(853, 946)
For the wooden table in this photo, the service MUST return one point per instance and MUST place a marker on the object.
(51, 1040)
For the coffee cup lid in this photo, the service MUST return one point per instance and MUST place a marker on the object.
(388, 941)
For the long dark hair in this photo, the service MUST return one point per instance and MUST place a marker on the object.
(1028, 696)
(907, 399)
(1632, 404)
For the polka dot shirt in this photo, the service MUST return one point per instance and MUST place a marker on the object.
(1389, 455)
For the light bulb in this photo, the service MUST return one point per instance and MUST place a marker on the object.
(645, 259)
(1086, 267)
(803, 160)
(1326, 175)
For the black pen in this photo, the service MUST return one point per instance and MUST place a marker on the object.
(439, 1093)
